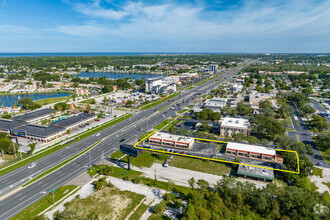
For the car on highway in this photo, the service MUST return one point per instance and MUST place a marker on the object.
(122, 140)
(31, 165)
(169, 100)
(98, 134)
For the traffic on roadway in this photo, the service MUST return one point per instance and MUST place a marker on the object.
(15, 198)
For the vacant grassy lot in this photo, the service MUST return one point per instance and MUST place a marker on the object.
(41, 205)
(88, 101)
(202, 166)
(108, 203)
(146, 159)
(145, 135)
(50, 100)
(117, 172)
(139, 212)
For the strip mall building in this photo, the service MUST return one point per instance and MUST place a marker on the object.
(253, 152)
(170, 140)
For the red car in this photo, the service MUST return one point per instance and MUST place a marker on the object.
(169, 100)
(96, 119)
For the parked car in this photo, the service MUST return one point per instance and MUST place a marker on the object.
(165, 164)
(96, 119)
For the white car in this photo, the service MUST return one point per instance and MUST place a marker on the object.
(31, 165)
(98, 134)
(165, 164)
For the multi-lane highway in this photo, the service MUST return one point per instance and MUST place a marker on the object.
(110, 137)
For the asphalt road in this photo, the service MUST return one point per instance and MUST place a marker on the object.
(318, 107)
(305, 137)
(128, 129)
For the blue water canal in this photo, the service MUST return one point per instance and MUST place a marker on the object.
(9, 100)
(119, 75)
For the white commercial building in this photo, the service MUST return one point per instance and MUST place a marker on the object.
(252, 151)
(216, 103)
(230, 126)
(170, 140)
(160, 86)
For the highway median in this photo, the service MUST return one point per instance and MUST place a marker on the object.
(59, 146)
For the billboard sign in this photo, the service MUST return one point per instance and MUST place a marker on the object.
(130, 150)
(19, 133)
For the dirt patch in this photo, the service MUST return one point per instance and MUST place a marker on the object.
(108, 203)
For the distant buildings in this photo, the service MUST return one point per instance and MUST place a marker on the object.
(213, 67)
(267, 72)
(229, 126)
(170, 140)
(255, 100)
(160, 86)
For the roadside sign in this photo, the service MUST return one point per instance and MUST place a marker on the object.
(130, 150)
(53, 190)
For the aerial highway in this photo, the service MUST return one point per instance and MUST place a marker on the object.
(125, 131)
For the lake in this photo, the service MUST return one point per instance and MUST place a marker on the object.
(7, 99)
(119, 75)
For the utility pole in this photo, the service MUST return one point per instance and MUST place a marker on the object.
(53, 191)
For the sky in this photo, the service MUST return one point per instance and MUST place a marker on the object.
(215, 26)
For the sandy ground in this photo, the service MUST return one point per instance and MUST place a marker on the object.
(319, 181)
(153, 195)
(181, 176)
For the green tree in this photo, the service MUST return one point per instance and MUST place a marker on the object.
(319, 122)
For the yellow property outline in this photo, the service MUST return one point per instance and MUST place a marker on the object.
(219, 160)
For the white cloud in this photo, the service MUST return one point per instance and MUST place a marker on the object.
(96, 11)
(14, 29)
(188, 23)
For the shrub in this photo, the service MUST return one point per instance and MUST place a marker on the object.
(158, 208)
(137, 180)
(127, 178)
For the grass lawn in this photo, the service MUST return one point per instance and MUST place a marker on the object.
(202, 166)
(39, 206)
(117, 171)
(88, 101)
(182, 111)
(145, 135)
(108, 203)
(139, 212)
(60, 146)
(162, 124)
(159, 101)
(50, 100)
(146, 159)
(297, 121)
(116, 155)
(317, 172)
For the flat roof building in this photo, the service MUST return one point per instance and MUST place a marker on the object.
(255, 173)
(75, 121)
(170, 140)
(251, 151)
(229, 126)
(36, 116)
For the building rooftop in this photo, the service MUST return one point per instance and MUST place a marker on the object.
(34, 114)
(161, 135)
(40, 131)
(235, 122)
(6, 124)
(66, 122)
(250, 148)
(256, 172)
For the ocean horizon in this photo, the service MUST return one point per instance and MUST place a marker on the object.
(73, 54)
